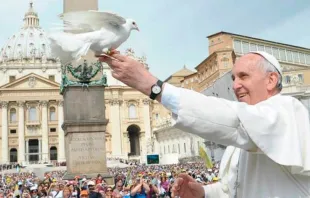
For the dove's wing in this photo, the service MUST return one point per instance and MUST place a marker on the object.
(67, 46)
(88, 21)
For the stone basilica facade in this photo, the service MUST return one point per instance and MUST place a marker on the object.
(32, 106)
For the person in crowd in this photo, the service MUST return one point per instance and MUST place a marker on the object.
(93, 193)
(109, 192)
(67, 192)
(140, 188)
(84, 194)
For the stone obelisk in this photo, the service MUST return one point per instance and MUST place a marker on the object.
(80, 5)
(84, 117)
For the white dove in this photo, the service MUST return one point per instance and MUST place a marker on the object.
(89, 30)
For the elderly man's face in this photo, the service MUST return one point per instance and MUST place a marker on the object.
(251, 83)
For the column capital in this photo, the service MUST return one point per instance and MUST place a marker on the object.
(44, 103)
(60, 103)
(146, 101)
(21, 103)
(115, 102)
(4, 104)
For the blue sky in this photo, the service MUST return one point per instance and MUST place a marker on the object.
(173, 33)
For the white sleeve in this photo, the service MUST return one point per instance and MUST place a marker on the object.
(215, 191)
(217, 122)
(170, 98)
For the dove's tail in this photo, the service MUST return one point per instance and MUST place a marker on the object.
(67, 47)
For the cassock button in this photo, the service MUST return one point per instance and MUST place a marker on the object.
(225, 188)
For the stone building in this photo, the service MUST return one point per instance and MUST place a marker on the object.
(31, 106)
(225, 47)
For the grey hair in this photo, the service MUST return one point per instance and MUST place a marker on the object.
(268, 67)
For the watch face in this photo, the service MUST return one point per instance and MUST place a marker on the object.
(156, 89)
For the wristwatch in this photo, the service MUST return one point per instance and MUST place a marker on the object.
(156, 89)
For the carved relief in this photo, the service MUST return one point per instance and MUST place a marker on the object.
(146, 101)
(52, 93)
(31, 104)
(21, 103)
(224, 59)
(287, 68)
(32, 81)
(44, 103)
(129, 102)
(60, 103)
(13, 142)
(53, 140)
(33, 130)
(114, 102)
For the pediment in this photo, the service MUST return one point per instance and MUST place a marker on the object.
(31, 81)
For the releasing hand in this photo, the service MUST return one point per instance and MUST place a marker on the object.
(186, 187)
(129, 71)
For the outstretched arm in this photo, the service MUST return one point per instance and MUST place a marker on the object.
(209, 117)
(217, 123)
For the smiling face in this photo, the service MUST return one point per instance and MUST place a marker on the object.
(251, 83)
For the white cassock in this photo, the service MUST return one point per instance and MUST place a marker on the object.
(268, 153)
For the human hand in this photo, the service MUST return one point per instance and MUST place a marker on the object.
(186, 187)
(129, 71)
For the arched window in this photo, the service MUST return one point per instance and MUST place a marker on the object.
(132, 111)
(13, 115)
(52, 114)
(13, 155)
(32, 114)
(53, 153)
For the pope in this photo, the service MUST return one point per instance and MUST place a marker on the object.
(267, 134)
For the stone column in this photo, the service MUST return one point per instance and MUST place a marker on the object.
(116, 128)
(5, 141)
(127, 142)
(21, 131)
(147, 125)
(142, 147)
(44, 127)
(61, 135)
(27, 150)
(40, 150)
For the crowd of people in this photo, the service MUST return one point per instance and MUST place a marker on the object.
(134, 181)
